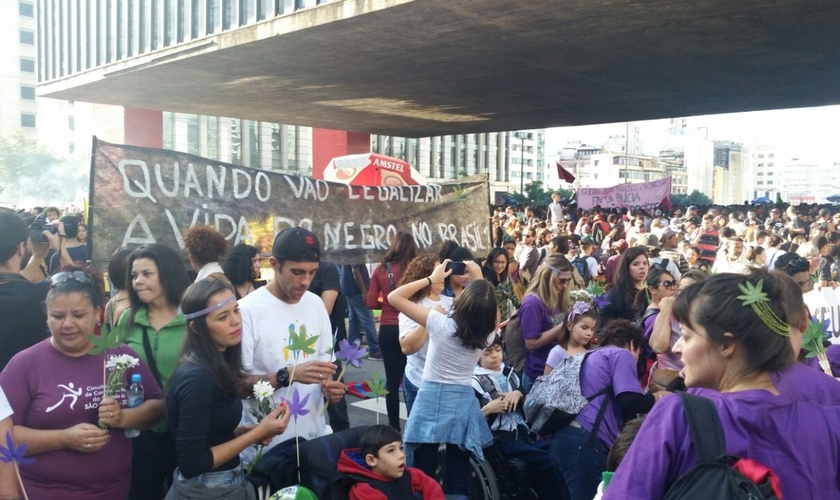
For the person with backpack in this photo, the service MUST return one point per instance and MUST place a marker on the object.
(607, 379)
(542, 314)
(585, 263)
(737, 333)
(576, 337)
(384, 280)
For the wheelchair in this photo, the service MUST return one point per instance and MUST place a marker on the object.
(494, 478)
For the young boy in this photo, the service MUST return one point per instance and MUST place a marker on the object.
(379, 468)
(497, 389)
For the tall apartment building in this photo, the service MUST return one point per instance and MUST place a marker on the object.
(697, 151)
(764, 177)
(731, 163)
(508, 160)
(806, 181)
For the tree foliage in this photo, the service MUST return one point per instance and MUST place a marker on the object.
(30, 171)
(695, 198)
(536, 194)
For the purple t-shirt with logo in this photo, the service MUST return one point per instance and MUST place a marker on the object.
(611, 366)
(799, 441)
(534, 319)
(49, 390)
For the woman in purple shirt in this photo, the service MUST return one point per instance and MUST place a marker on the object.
(544, 306)
(731, 352)
(55, 389)
(580, 449)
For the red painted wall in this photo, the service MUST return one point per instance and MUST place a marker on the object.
(327, 144)
(143, 127)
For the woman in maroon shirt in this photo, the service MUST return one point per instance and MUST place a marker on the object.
(385, 278)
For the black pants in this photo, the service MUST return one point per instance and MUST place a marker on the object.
(456, 470)
(152, 465)
(394, 360)
(339, 418)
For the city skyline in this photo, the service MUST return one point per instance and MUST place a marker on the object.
(804, 132)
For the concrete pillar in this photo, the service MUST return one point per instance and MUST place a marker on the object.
(143, 127)
(327, 144)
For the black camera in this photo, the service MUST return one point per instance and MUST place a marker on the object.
(38, 226)
(457, 268)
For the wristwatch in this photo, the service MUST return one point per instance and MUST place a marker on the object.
(283, 377)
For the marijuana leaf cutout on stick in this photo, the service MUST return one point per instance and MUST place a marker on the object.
(108, 340)
(297, 406)
(351, 353)
(377, 385)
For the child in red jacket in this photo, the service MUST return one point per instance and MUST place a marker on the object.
(380, 471)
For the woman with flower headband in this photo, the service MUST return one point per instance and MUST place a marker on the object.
(737, 338)
(55, 389)
(203, 402)
(577, 336)
(608, 379)
(542, 314)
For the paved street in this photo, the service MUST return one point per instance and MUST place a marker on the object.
(364, 412)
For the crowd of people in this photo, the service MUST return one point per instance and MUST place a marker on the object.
(622, 308)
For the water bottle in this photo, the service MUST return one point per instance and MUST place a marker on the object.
(134, 398)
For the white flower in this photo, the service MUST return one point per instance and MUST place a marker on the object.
(580, 295)
(121, 362)
(263, 390)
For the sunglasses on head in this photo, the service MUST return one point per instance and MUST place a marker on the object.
(801, 261)
(65, 276)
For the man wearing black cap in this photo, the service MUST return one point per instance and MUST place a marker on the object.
(269, 317)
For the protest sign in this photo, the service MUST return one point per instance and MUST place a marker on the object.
(644, 195)
(824, 304)
(143, 195)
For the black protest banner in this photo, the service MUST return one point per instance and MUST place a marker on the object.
(143, 195)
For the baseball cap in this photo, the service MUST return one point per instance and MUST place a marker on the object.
(296, 244)
(668, 234)
(648, 240)
(689, 209)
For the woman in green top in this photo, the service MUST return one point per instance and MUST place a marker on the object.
(155, 329)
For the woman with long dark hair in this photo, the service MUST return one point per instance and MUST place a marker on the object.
(628, 281)
(155, 328)
(446, 409)
(384, 281)
(495, 271)
(242, 269)
(203, 403)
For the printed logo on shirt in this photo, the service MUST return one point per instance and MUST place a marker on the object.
(73, 395)
(299, 344)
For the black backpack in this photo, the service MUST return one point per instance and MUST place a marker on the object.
(716, 474)
(583, 269)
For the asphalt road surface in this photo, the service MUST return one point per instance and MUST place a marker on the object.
(364, 412)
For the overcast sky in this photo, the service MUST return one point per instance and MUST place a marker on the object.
(811, 133)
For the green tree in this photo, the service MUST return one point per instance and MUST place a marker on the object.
(536, 194)
(695, 198)
(28, 170)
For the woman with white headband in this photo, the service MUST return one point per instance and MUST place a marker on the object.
(204, 399)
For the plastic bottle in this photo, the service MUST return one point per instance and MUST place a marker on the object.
(135, 397)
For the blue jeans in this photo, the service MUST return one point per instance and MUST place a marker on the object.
(409, 393)
(360, 315)
(582, 464)
(218, 478)
(527, 382)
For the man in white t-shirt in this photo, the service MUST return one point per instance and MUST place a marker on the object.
(269, 316)
(8, 478)
(555, 209)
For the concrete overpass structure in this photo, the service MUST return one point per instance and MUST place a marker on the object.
(436, 67)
